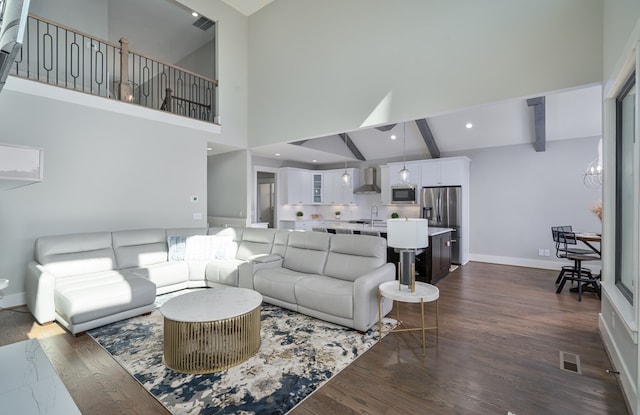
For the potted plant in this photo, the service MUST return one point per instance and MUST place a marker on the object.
(395, 215)
(337, 214)
(299, 214)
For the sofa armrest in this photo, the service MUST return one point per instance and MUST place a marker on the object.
(247, 269)
(261, 259)
(365, 295)
(39, 286)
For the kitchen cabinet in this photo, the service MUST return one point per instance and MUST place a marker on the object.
(439, 250)
(385, 186)
(336, 192)
(297, 186)
(444, 172)
(317, 187)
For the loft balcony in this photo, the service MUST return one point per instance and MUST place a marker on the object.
(61, 56)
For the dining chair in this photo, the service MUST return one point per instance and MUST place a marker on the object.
(319, 229)
(564, 248)
(369, 232)
(576, 273)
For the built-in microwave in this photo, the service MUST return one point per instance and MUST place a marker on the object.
(403, 194)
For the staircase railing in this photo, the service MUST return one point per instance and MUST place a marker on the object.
(61, 56)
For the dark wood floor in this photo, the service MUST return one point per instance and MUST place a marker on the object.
(501, 331)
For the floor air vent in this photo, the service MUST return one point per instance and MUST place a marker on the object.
(570, 362)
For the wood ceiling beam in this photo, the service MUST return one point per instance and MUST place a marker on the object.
(351, 146)
(540, 126)
(427, 136)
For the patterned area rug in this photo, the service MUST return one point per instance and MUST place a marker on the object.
(297, 355)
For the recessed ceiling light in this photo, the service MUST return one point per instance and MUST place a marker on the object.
(194, 14)
(209, 149)
(393, 137)
(315, 161)
(468, 125)
(277, 154)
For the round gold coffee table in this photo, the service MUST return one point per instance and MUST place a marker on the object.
(211, 330)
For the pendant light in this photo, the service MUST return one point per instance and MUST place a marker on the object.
(404, 173)
(346, 177)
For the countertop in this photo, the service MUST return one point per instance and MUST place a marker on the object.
(380, 226)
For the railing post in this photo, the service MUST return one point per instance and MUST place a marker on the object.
(167, 99)
(125, 88)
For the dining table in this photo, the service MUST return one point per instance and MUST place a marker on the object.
(589, 238)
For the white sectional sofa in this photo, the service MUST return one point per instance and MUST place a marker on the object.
(88, 280)
(330, 277)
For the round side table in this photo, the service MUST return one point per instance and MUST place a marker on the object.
(424, 293)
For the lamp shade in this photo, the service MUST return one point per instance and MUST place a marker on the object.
(407, 233)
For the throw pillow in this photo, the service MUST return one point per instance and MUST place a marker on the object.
(199, 248)
(177, 247)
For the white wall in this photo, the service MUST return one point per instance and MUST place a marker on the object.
(103, 171)
(201, 61)
(619, 324)
(517, 194)
(88, 16)
(232, 32)
(228, 180)
(323, 67)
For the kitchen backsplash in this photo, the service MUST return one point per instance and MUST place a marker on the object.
(350, 212)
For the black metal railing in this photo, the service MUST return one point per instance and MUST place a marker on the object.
(58, 55)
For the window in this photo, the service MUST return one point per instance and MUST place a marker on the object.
(626, 172)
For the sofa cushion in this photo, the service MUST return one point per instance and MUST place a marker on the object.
(76, 254)
(255, 242)
(139, 248)
(280, 240)
(325, 294)
(223, 271)
(278, 283)
(351, 256)
(307, 252)
(88, 297)
(163, 274)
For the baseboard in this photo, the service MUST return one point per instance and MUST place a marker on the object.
(527, 262)
(624, 378)
(13, 300)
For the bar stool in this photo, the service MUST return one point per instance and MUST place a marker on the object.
(577, 273)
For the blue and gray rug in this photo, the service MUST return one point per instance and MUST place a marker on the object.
(297, 355)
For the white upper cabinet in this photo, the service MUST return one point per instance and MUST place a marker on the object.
(20, 166)
(444, 172)
(336, 192)
(296, 185)
(385, 186)
(326, 187)
(317, 191)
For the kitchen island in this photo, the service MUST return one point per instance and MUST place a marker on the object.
(432, 264)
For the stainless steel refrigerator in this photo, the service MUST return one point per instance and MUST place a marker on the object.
(441, 206)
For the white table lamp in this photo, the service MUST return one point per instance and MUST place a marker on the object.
(407, 235)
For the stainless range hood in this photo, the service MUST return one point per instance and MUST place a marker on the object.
(369, 185)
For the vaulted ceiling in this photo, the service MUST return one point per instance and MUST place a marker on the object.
(576, 113)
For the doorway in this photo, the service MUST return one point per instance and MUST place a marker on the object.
(265, 198)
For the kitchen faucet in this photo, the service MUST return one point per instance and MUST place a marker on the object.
(374, 208)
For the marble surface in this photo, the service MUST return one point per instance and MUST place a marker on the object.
(211, 304)
(382, 228)
(424, 292)
(29, 384)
